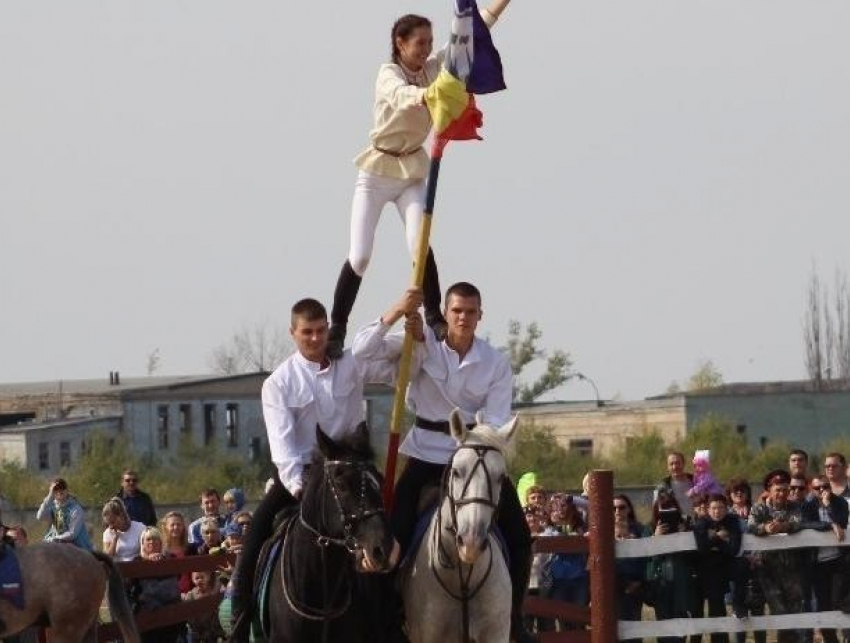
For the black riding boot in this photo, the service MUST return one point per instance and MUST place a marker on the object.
(431, 290)
(520, 572)
(345, 294)
(242, 582)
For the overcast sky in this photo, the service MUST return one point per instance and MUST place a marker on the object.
(653, 189)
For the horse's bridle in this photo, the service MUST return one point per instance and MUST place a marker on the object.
(466, 592)
(481, 451)
(349, 519)
(349, 542)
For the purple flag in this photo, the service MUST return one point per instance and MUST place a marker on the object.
(471, 55)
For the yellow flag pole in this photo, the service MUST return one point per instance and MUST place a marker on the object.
(403, 378)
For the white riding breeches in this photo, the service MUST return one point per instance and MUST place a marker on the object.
(371, 194)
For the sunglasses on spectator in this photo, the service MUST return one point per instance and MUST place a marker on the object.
(831, 465)
(243, 523)
(620, 507)
(822, 487)
(798, 487)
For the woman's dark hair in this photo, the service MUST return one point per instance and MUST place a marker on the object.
(402, 28)
(59, 484)
(739, 484)
(631, 512)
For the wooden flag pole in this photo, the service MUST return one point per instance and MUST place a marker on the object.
(403, 378)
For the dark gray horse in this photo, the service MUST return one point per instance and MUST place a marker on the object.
(63, 588)
(316, 592)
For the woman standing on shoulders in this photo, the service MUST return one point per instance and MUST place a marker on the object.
(66, 516)
(394, 166)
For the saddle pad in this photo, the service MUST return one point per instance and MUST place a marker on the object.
(419, 531)
(268, 559)
(11, 582)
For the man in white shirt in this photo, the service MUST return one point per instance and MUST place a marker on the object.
(465, 372)
(306, 390)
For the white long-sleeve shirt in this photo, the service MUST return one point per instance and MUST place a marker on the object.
(300, 394)
(440, 382)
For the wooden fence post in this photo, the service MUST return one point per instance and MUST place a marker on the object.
(603, 597)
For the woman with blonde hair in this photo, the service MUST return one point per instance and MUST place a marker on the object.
(122, 536)
(175, 542)
(148, 594)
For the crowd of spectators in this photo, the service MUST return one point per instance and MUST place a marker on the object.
(718, 578)
(131, 531)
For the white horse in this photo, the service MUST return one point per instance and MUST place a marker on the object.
(458, 587)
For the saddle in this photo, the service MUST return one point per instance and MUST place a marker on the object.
(269, 556)
(11, 581)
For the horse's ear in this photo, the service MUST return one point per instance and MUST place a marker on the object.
(509, 429)
(479, 417)
(457, 426)
(327, 447)
(360, 441)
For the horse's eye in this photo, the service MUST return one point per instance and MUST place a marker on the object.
(455, 473)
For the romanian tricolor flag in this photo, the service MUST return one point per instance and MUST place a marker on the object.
(472, 66)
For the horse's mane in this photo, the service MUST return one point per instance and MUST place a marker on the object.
(486, 435)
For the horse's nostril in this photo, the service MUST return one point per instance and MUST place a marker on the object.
(484, 543)
(459, 540)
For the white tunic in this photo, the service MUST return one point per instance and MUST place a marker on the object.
(401, 120)
(300, 394)
(440, 382)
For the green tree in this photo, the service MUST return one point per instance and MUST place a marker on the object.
(97, 474)
(640, 461)
(538, 450)
(522, 349)
(706, 376)
(20, 486)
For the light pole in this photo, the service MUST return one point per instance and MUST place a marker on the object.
(582, 376)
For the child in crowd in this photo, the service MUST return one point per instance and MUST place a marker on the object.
(718, 538)
(704, 481)
(565, 575)
(234, 502)
(208, 629)
(211, 537)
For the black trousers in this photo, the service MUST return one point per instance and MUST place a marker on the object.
(418, 473)
(262, 526)
(827, 579)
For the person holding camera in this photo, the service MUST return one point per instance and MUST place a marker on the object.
(669, 576)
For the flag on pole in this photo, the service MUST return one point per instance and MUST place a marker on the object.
(472, 66)
(471, 57)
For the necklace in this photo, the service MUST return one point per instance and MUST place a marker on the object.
(414, 77)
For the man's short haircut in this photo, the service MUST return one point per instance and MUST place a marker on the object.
(206, 493)
(799, 452)
(463, 289)
(678, 454)
(60, 484)
(836, 454)
(717, 497)
(308, 309)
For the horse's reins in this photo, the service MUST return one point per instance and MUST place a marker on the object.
(323, 541)
(466, 593)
